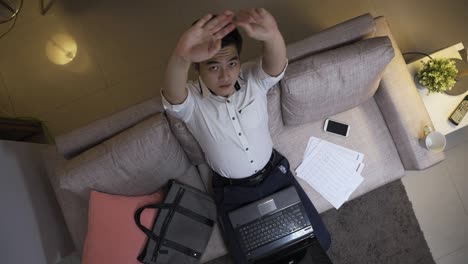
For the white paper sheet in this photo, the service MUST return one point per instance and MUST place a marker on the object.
(332, 170)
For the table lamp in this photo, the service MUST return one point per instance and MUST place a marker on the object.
(9, 9)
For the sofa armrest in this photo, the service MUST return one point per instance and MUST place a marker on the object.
(403, 109)
(77, 141)
(74, 209)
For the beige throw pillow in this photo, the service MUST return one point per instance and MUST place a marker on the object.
(135, 162)
(334, 81)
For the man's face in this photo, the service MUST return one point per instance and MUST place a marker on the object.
(220, 72)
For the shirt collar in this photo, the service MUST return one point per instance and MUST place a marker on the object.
(205, 92)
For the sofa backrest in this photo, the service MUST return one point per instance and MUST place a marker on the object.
(341, 34)
(79, 140)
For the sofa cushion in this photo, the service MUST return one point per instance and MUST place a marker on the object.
(112, 228)
(187, 140)
(134, 162)
(333, 81)
(368, 135)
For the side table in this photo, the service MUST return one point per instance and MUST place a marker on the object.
(440, 106)
(23, 130)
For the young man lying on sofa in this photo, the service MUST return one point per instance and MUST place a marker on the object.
(226, 111)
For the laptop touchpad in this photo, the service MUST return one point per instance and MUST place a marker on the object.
(266, 207)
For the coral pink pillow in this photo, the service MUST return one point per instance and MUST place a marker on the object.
(113, 236)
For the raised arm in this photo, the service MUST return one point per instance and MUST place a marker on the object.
(199, 43)
(259, 24)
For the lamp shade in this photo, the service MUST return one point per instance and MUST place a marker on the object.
(9, 9)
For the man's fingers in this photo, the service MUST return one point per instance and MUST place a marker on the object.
(247, 27)
(261, 11)
(202, 21)
(220, 26)
(218, 22)
(228, 13)
(255, 14)
(252, 13)
(223, 32)
(245, 16)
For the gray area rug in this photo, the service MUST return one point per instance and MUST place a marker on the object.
(379, 228)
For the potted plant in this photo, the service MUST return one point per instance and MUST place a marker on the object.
(438, 75)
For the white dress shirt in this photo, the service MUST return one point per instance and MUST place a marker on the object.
(233, 132)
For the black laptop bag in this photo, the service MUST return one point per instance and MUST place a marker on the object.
(182, 228)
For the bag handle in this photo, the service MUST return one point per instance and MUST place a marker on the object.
(182, 210)
(143, 228)
(148, 232)
(160, 240)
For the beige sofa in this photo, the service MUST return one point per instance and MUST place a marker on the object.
(353, 72)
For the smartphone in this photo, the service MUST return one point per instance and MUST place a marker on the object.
(336, 127)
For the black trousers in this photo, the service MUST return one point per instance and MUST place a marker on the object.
(229, 197)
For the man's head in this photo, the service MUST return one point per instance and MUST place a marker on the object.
(221, 71)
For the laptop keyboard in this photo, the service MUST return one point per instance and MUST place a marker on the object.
(272, 228)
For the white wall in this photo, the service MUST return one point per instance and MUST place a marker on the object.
(32, 229)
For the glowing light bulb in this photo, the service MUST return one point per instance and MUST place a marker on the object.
(61, 49)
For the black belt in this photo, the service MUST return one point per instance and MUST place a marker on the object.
(255, 178)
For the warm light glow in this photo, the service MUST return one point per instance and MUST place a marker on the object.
(61, 49)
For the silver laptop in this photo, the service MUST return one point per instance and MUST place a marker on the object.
(272, 224)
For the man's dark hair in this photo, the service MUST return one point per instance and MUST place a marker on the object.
(234, 37)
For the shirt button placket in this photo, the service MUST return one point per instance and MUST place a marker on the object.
(236, 124)
(238, 127)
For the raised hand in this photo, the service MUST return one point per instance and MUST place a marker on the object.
(203, 40)
(258, 23)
